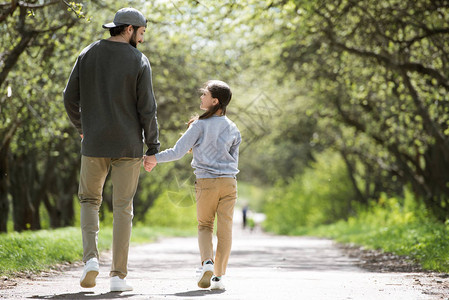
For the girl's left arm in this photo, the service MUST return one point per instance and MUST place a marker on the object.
(182, 146)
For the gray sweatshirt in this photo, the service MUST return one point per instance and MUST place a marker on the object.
(215, 143)
(109, 98)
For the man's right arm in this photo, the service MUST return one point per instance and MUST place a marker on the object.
(146, 106)
(72, 98)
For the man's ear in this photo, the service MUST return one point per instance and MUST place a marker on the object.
(130, 28)
(216, 101)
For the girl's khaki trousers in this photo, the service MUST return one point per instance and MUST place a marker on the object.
(215, 196)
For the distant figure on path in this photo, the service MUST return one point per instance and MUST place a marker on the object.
(215, 141)
(109, 99)
(244, 215)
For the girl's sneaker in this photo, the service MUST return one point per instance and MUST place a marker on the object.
(206, 273)
(217, 283)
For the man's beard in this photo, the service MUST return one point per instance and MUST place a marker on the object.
(132, 40)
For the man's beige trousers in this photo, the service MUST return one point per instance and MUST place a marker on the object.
(125, 177)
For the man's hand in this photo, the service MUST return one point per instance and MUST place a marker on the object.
(149, 162)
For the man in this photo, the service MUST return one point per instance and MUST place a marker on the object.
(109, 99)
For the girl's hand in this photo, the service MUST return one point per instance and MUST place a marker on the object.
(149, 162)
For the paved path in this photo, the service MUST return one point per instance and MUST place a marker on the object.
(261, 267)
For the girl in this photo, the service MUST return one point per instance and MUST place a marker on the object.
(214, 140)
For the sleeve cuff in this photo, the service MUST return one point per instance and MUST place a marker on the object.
(151, 152)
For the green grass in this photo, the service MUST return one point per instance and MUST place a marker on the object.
(425, 243)
(393, 225)
(34, 251)
(39, 250)
(400, 225)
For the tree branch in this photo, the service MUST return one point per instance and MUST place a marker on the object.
(389, 63)
(401, 157)
(429, 33)
(351, 171)
(9, 135)
(9, 11)
(432, 127)
(14, 4)
(14, 55)
(36, 6)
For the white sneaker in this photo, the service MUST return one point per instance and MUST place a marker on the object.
(217, 283)
(206, 274)
(90, 272)
(119, 285)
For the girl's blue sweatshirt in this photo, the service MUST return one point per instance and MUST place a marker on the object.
(215, 143)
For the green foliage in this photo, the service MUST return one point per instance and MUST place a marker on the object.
(76, 8)
(276, 136)
(35, 251)
(322, 194)
(396, 225)
(376, 84)
(40, 149)
(168, 211)
(387, 85)
(366, 79)
(251, 195)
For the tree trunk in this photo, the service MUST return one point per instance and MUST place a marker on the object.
(25, 213)
(4, 204)
(4, 172)
(436, 179)
(351, 173)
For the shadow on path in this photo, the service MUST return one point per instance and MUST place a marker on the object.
(84, 295)
(198, 293)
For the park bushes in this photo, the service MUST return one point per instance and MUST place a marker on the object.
(397, 225)
(172, 210)
(313, 204)
(321, 195)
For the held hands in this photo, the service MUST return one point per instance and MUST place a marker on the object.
(149, 162)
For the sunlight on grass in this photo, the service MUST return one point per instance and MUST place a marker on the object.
(39, 250)
(393, 227)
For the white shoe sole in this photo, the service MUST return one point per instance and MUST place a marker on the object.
(204, 282)
(122, 289)
(215, 286)
(89, 280)
(119, 285)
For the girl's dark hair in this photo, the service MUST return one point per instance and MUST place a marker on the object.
(220, 90)
(119, 29)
